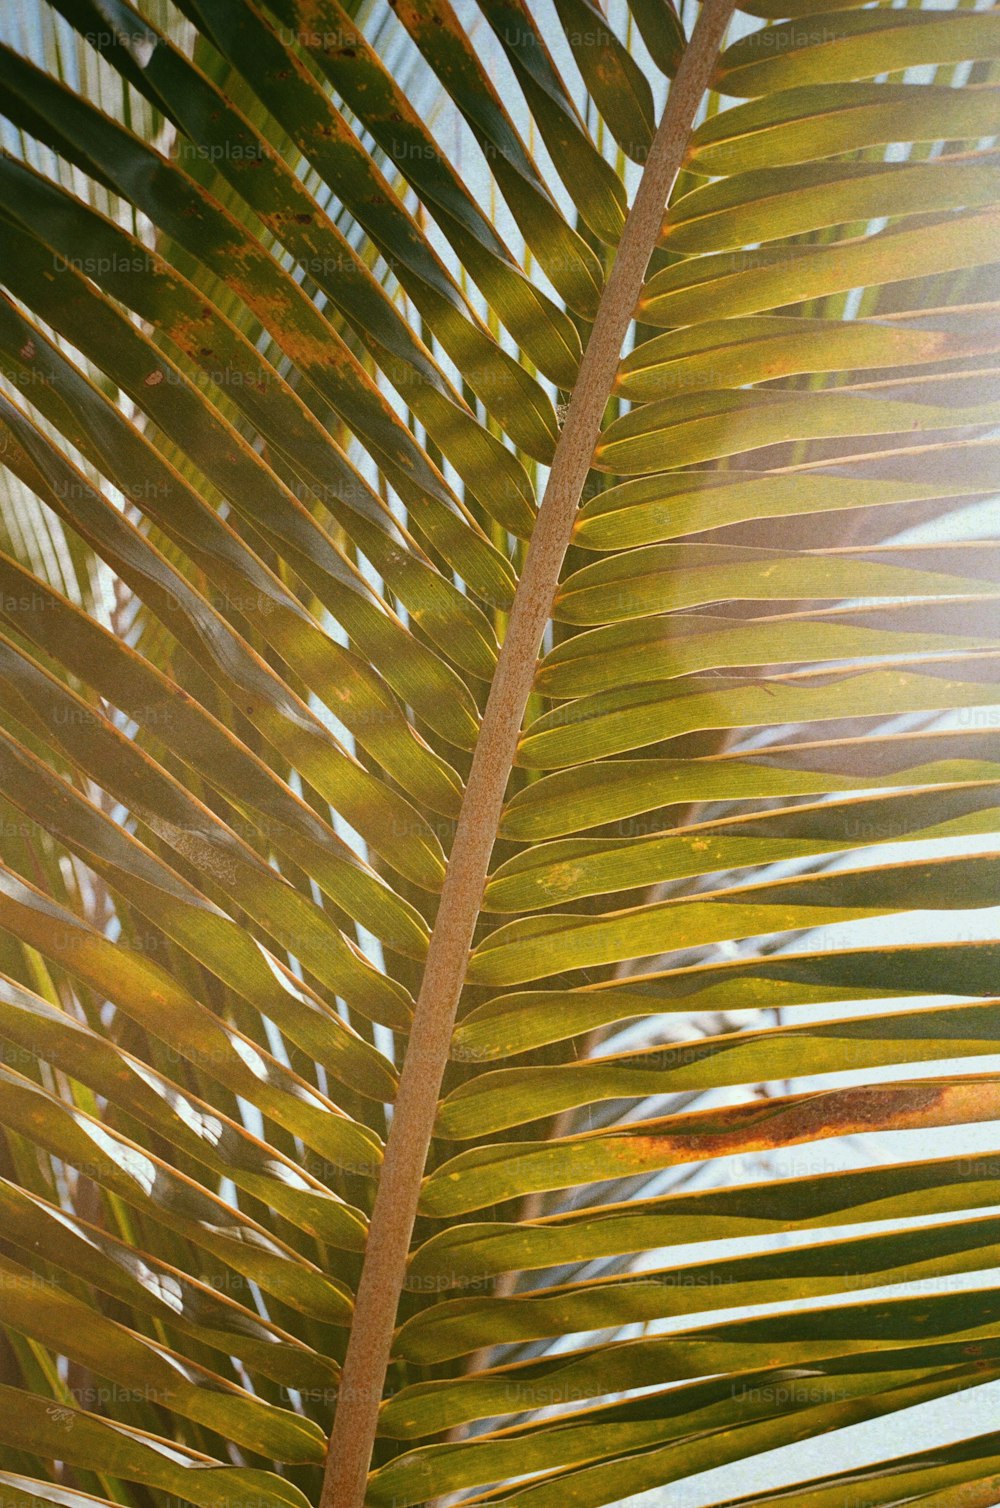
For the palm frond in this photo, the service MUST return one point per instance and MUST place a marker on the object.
(499, 758)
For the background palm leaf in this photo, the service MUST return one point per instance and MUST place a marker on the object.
(296, 301)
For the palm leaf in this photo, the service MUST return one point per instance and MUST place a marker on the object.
(498, 750)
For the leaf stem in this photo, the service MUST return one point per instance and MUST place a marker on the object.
(395, 1207)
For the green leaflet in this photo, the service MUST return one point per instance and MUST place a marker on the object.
(148, 993)
(476, 1252)
(768, 204)
(489, 1175)
(85, 1440)
(194, 220)
(739, 1345)
(669, 577)
(696, 427)
(538, 325)
(259, 693)
(821, 120)
(765, 1408)
(41, 1311)
(242, 583)
(923, 1255)
(596, 189)
(207, 933)
(661, 31)
(776, 10)
(225, 458)
(617, 722)
(147, 284)
(746, 282)
(180, 1303)
(615, 80)
(27, 1492)
(574, 800)
(496, 1101)
(188, 827)
(590, 1487)
(853, 44)
(681, 644)
(148, 696)
(42, 1033)
(536, 946)
(728, 353)
(964, 1472)
(173, 1200)
(509, 1024)
(567, 260)
(665, 505)
(556, 872)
